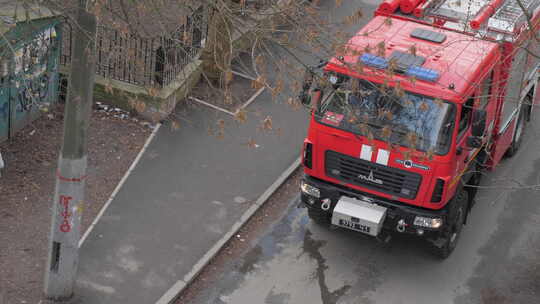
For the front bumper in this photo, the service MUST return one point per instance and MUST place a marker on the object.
(397, 214)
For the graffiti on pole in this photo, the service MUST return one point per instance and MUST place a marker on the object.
(64, 201)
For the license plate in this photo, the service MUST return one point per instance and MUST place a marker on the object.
(359, 215)
(354, 226)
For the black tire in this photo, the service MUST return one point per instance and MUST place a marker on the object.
(319, 217)
(476, 178)
(453, 230)
(518, 134)
(529, 106)
(528, 110)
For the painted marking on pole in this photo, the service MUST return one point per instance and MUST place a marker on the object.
(120, 184)
(69, 180)
(64, 201)
(175, 290)
(212, 106)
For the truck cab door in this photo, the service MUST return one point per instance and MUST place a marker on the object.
(463, 152)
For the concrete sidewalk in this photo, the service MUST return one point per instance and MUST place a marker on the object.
(184, 196)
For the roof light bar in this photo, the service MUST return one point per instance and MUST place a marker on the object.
(423, 73)
(374, 61)
(415, 71)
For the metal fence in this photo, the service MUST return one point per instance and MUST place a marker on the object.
(148, 62)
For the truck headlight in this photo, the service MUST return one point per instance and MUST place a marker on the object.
(310, 190)
(428, 222)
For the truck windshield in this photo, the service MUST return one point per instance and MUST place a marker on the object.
(402, 118)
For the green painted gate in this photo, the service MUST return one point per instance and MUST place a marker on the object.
(28, 72)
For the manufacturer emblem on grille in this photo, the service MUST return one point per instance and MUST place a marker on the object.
(370, 178)
(410, 164)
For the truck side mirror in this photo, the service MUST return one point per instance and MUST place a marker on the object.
(304, 96)
(315, 98)
(479, 123)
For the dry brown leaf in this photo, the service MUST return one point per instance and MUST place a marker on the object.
(407, 102)
(267, 123)
(220, 123)
(412, 50)
(423, 107)
(367, 49)
(386, 132)
(258, 83)
(227, 97)
(251, 143)
(140, 107)
(359, 68)
(398, 90)
(381, 49)
(229, 76)
(241, 116)
(412, 139)
(153, 91)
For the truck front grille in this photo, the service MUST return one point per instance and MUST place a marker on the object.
(371, 175)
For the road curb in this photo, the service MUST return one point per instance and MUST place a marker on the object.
(179, 286)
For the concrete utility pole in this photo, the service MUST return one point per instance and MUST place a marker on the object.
(67, 206)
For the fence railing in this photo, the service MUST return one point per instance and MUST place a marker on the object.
(147, 62)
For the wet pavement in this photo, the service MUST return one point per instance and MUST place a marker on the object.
(497, 260)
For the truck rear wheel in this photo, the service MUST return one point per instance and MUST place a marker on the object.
(453, 229)
(518, 133)
(319, 216)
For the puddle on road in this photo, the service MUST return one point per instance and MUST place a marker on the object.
(312, 247)
(299, 262)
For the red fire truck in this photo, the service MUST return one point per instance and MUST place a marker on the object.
(409, 115)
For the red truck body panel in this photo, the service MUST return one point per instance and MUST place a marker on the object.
(460, 60)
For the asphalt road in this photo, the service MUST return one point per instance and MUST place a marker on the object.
(497, 259)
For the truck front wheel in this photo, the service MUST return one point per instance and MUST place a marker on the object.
(448, 241)
(518, 133)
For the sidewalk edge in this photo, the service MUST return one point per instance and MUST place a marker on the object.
(179, 286)
(120, 184)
